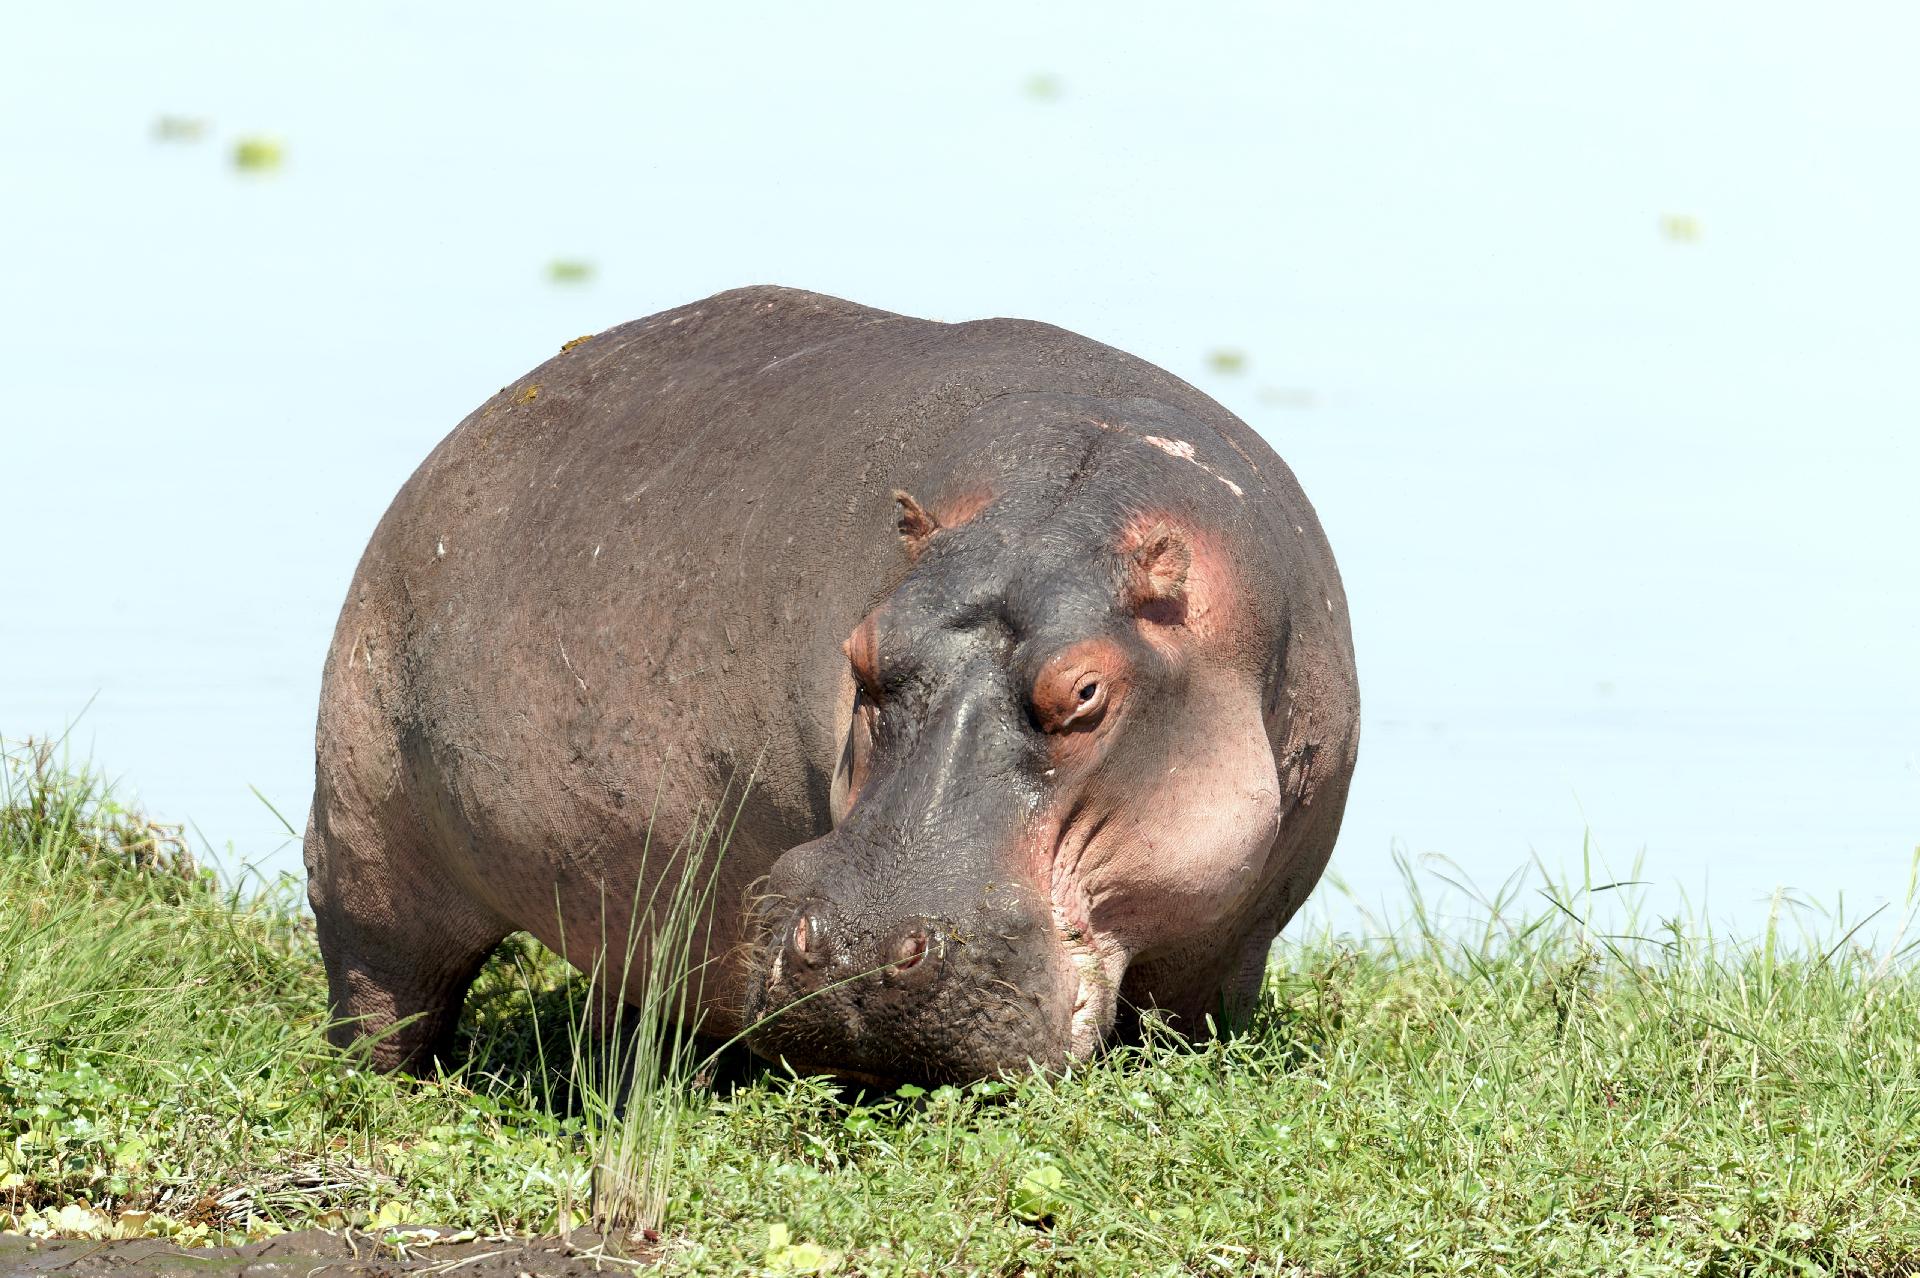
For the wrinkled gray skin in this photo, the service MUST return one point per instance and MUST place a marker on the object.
(1086, 757)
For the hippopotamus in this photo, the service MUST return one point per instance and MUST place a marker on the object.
(1010, 675)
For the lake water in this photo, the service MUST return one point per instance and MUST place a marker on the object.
(1590, 335)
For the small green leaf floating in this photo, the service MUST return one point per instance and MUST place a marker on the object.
(1681, 228)
(257, 154)
(1043, 87)
(569, 270)
(1227, 360)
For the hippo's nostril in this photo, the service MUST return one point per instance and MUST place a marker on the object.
(807, 940)
(909, 950)
(914, 958)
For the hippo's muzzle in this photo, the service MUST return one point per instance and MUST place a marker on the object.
(851, 984)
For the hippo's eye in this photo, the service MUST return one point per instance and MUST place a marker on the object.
(1076, 686)
(1075, 704)
(1090, 699)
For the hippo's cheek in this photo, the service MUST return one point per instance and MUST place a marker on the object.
(1169, 855)
(1172, 883)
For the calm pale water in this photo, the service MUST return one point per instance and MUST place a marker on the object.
(1590, 336)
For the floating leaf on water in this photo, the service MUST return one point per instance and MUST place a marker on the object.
(178, 128)
(1681, 228)
(1227, 360)
(258, 154)
(1043, 86)
(569, 270)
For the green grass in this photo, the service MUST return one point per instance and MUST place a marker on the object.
(1528, 1096)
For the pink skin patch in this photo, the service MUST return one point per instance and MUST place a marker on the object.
(854, 717)
(962, 508)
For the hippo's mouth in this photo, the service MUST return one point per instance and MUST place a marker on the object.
(1097, 963)
(1095, 959)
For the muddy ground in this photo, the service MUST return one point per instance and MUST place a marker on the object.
(310, 1252)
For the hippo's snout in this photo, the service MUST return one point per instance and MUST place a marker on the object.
(851, 987)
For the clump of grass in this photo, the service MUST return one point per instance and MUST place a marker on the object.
(162, 1052)
(71, 821)
(1520, 1082)
(635, 1069)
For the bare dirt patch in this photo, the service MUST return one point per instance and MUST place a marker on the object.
(311, 1253)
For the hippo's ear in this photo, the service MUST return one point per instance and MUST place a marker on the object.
(1156, 568)
(917, 527)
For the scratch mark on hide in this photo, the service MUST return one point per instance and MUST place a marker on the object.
(1181, 449)
(1184, 451)
(568, 663)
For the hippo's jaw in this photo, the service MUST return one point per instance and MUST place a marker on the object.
(1098, 964)
(1097, 958)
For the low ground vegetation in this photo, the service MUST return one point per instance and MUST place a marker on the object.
(1531, 1095)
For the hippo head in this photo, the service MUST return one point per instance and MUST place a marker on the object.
(1055, 766)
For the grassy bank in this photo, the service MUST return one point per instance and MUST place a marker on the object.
(1534, 1099)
